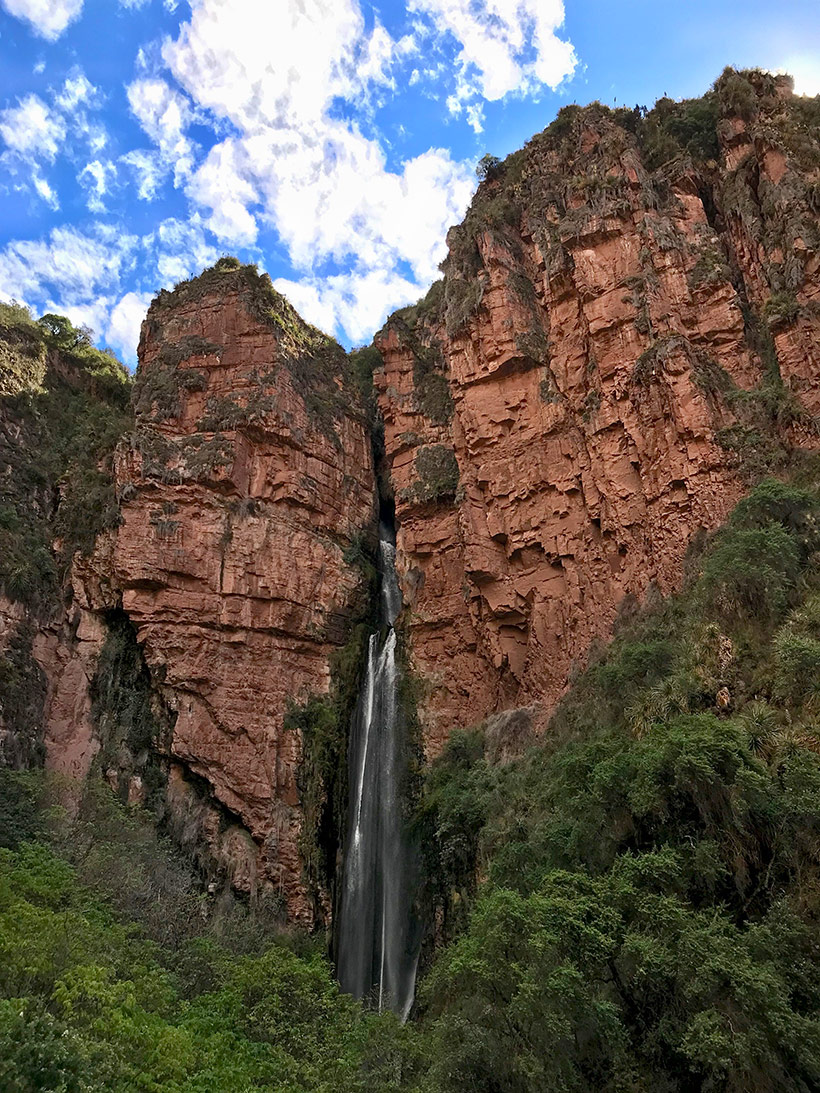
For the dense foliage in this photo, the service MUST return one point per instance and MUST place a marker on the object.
(117, 974)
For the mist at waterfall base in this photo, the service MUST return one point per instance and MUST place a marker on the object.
(378, 940)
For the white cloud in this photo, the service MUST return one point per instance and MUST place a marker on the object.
(164, 115)
(290, 94)
(122, 330)
(221, 185)
(149, 170)
(291, 162)
(48, 18)
(806, 71)
(76, 89)
(32, 130)
(45, 191)
(182, 249)
(504, 45)
(357, 301)
(95, 178)
(69, 265)
(475, 117)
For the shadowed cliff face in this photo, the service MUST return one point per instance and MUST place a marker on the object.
(247, 478)
(616, 349)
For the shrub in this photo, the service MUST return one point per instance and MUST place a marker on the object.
(795, 509)
(488, 167)
(781, 308)
(751, 574)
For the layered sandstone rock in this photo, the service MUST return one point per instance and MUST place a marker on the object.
(592, 384)
(247, 479)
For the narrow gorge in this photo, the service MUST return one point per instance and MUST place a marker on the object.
(377, 942)
(381, 642)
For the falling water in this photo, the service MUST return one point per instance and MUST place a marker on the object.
(378, 944)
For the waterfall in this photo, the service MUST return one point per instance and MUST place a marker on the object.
(377, 937)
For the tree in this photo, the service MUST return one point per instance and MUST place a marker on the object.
(488, 168)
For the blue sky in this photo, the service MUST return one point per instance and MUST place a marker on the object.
(331, 141)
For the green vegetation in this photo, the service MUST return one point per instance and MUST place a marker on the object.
(63, 407)
(781, 308)
(323, 723)
(632, 905)
(649, 915)
(132, 729)
(116, 974)
(431, 388)
(22, 694)
(59, 426)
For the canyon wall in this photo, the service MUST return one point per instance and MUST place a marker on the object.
(626, 335)
(615, 349)
(248, 477)
(178, 576)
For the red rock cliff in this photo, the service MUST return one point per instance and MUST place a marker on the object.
(627, 330)
(248, 476)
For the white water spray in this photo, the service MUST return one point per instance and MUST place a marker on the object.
(377, 939)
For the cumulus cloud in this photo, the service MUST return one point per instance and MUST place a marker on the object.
(96, 177)
(32, 130)
(164, 114)
(45, 191)
(77, 89)
(504, 45)
(265, 121)
(221, 185)
(806, 71)
(291, 162)
(122, 331)
(358, 301)
(70, 266)
(182, 249)
(149, 171)
(48, 18)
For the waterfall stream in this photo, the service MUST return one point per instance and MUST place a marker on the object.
(377, 939)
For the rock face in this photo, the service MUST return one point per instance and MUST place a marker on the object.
(626, 335)
(249, 476)
(613, 351)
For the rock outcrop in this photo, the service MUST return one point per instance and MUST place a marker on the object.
(248, 478)
(626, 331)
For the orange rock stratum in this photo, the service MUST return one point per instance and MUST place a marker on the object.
(590, 386)
(249, 475)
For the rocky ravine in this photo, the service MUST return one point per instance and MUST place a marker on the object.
(612, 350)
